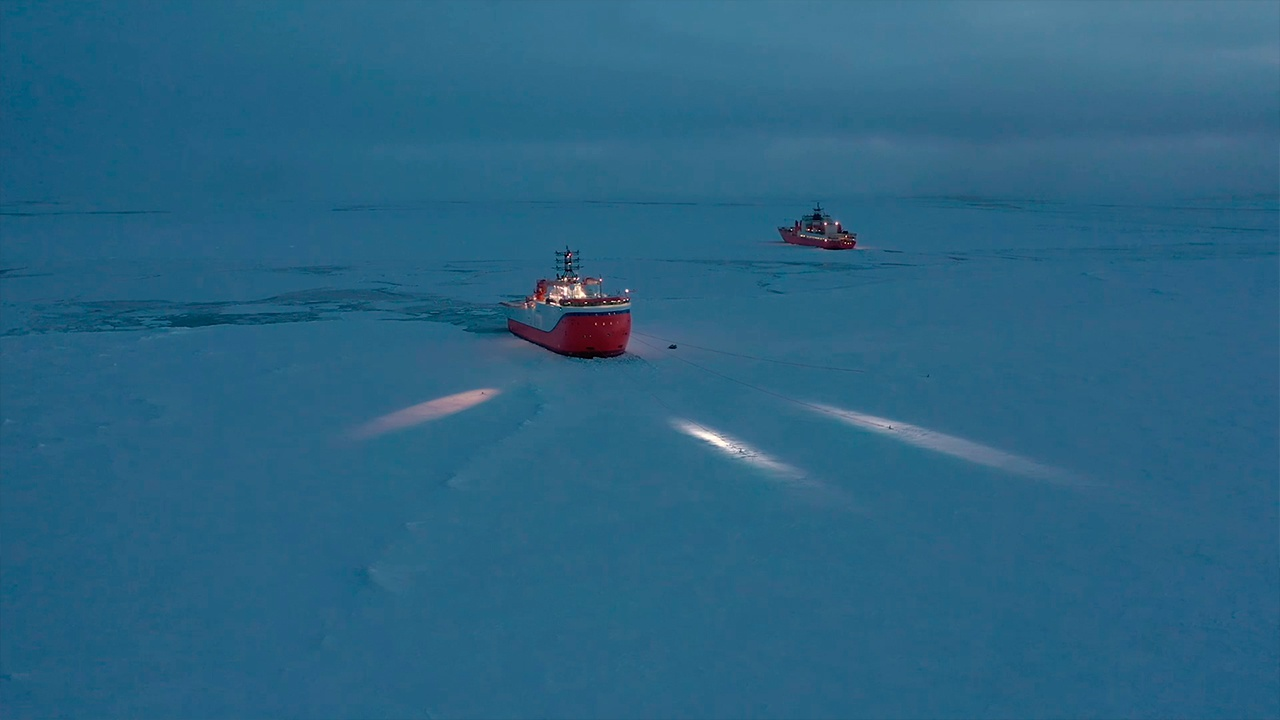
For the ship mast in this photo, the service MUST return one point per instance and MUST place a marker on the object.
(566, 268)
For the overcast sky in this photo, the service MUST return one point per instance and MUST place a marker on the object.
(393, 100)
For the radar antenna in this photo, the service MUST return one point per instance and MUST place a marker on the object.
(566, 264)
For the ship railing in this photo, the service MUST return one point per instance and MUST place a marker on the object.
(589, 302)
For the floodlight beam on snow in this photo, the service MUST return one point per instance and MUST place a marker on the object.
(740, 451)
(424, 412)
(951, 445)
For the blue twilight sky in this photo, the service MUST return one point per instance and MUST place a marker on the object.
(394, 100)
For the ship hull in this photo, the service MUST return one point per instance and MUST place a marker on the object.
(789, 235)
(577, 332)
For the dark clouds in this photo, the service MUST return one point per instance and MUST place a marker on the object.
(357, 99)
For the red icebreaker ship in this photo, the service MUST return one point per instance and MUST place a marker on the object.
(572, 315)
(819, 230)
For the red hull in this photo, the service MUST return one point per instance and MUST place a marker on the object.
(588, 335)
(789, 235)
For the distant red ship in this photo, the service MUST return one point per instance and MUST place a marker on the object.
(819, 230)
(572, 315)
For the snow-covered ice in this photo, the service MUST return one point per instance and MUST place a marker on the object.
(1004, 460)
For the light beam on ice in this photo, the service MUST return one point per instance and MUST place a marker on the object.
(739, 450)
(951, 445)
(424, 412)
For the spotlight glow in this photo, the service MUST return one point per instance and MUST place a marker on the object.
(740, 451)
(953, 446)
(424, 412)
